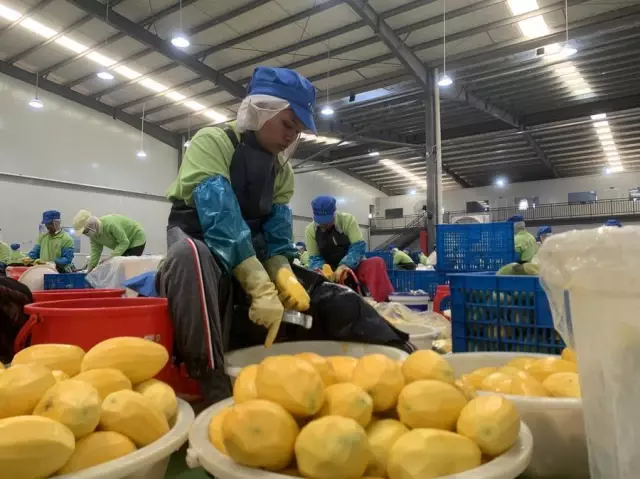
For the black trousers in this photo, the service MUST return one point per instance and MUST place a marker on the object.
(406, 266)
(135, 251)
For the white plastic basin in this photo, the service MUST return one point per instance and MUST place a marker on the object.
(149, 462)
(236, 360)
(557, 424)
(421, 335)
(508, 466)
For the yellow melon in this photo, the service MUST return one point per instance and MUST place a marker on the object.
(244, 388)
(498, 382)
(160, 394)
(347, 400)
(427, 364)
(96, 448)
(62, 357)
(260, 433)
(522, 362)
(430, 404)
(33, 447)
(322, 366)
(135, 416)
(569, 354)
(429, 453)
(105, 380)
(515, 382)
(60, 376)
(139, 359)
(476, 377)
(547, 366)
(1, 366)
(292, 383)
(492, 422)
(563, 385)
(21, 387)
(343, 367)
(382, 435)
(332, 447)
(75, 404)
(381, 378)
(215, 430)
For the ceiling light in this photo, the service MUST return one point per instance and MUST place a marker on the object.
(105, 75)
(601, 124)
(36, 103)
(412, 192)
(327, 111)
(374, 153)
(566, 70)
(599, 116)
(187, 143)
(500, 182)
(613, 169)
(534, 27)
(584, 91)
(141, 154)
(445, 80)
(519, 7)
(568, 51)
(180, 41)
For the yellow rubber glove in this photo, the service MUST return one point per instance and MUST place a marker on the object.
(40, 262)
(27, 260)
(266, 309)
(292, 293)
(341, 272)
(327, 272)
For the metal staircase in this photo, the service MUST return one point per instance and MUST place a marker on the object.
(405, 237)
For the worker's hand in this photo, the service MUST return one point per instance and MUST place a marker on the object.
(327, 272)
(40, 262)
(292, 293)
(341, 272)
(266, 308)
(27, 260)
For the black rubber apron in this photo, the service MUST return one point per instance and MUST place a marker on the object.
(333, 245)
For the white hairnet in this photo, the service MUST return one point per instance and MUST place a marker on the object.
(518, 226)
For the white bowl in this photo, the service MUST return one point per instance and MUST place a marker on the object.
(421, 335)
(557, 424)
(33, 278)
(508, 466)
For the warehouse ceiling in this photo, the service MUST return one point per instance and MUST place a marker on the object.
(520, 106)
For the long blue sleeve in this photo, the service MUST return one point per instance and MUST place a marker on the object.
(225, 231)
(66, 256)
(354, 254)
(35, 252)
(278, 232)
(316, 262)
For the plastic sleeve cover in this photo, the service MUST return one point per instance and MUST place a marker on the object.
(35, 252)
(66, 256)
(278, 231)
(225, 231)
(354, 255)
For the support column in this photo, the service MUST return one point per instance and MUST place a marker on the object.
(432, 156)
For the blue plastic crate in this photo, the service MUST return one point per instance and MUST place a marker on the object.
(385, 255)
(65, 281)
(501, 313)
(405, 281)
(475, 247)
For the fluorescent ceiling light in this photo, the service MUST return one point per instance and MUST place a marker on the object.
(584, 91)
(599, 116)
(37, 28)
(601, 124)
(105, 75)
(9, 14)
(374, 153)
(566, 70)
(174, 95)
(128, 72)
(518, 7)
(153, 85)
(101, 59)
(71, 44)
(180, 41)
(36, 103)
(534, 27)
(422, 183)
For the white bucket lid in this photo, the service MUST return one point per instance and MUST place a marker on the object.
(33, 278)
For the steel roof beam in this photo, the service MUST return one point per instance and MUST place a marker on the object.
(163, 47)
(156, 132)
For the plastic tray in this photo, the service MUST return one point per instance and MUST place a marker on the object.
(557, 424)
(149, 462)
(474, 247)
(508, 466)
(385, 255)
(427, 281)
(65, 281)
(501, 313)
(236, 360)
(421, 335)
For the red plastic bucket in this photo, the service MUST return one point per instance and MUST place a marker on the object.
(65, 294)
(14, 272)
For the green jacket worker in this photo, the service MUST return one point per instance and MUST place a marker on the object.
(402, 260)
(5, 255)
(122, 235)
(304, 254)
(16, 255)
(230, 218)
(525, 243)
(53, 246)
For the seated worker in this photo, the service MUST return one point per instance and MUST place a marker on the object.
(524, 242)
(122, 235)
(402, 260)
(16, 255)
(544, 232)
(54, 246)
(335, 243)
(230, 218)
(304, 254)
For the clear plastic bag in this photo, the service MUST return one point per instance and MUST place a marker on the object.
(113, 272)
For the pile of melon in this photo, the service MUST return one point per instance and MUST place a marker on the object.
(62, 411)
(345, 418)
(552, 376)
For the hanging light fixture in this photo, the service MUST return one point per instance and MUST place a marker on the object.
(180, 40)
(105, 75)
(445, 80)
(141, 153)
(35, 102)
(327, 110)
(567, 50)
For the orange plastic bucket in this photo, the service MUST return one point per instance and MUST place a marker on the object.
(14, 272)
(65, 294)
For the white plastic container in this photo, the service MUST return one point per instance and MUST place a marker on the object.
(201, 453)
(33, 278)
(421, 335)
(236, 360)
(557, 424)
(149, 462)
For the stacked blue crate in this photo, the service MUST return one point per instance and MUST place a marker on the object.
(65, 281)
(427, 281)
(385, 255)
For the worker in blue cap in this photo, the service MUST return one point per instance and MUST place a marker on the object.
(613, 223)
(54, 245)
(304, 254)
(524, 242)
(543, 233)
(230, 219)
(16, 255)
(336, 247)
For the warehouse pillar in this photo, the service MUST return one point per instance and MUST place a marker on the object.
(433, 156)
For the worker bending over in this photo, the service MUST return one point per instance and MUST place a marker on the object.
(230, 217)
(402, 260)
(53, 246)
(544, 232)
(335, 244)
(122, 235)
(524, 242)
(304, 254)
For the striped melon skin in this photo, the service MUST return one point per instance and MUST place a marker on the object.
(61, 357)
(139, 359)
(33, 447)
(21, 387)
